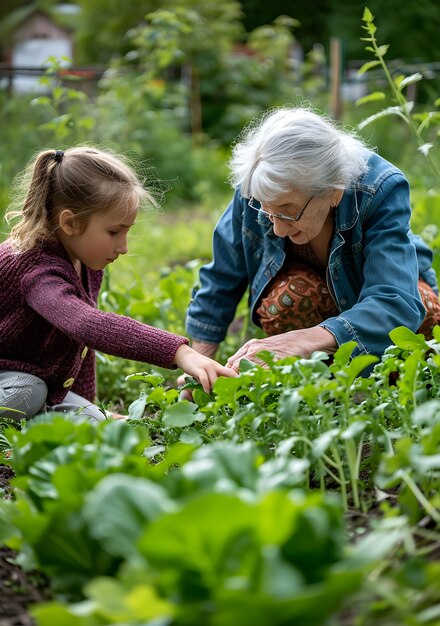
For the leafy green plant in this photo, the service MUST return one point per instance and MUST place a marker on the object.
(68, 120)
(324, 416)
(418, 122)
(270, 460)
(56, 462)
(278, 557)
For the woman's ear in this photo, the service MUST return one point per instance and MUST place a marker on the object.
(336, 197)
(68, 222)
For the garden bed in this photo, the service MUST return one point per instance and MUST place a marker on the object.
(18, 589)
(297, 493)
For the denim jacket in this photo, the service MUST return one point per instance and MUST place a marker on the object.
(373, 267)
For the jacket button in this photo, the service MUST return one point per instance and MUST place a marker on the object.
(84, 352)
(343, 301)
(68, 383)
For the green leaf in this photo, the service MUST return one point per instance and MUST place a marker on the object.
(322, 443)
(342, 355)
(52, 613)
(246, 365)
(153, 451)
(226, 389)
(405, 339)
(191, 436)
(367, 66)
(379, 543)
(154, 380)
(226, 462)
(119, 508)
(201, 398)
(141, 603)
(382, 50)
(279, 579)
(282, 472)
(74, 94)
(41, 100)
(409, 80)
(356, 366)
(136, 409)
(200, 537)
(355, 429)
(180, 414)
(396, 110)
(176, 454)
(86, 122)
(367, 15)
(371, 97)
(58, 92)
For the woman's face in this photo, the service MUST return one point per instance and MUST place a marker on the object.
(309, 212)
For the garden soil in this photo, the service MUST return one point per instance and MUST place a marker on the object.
(18, 589)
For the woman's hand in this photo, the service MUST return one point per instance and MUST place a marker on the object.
(200, 367)
(293, 343)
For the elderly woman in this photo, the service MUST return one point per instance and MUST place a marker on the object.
(318, 229)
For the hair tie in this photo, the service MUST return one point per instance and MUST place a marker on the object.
(59, 156)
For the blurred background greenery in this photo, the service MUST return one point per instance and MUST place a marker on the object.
(171, 83)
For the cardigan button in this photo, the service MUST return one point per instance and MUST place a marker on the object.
(84, 352)
(68, 383)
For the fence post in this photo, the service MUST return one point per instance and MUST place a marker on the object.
(335, 78)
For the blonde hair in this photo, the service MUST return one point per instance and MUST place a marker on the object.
(84, 179)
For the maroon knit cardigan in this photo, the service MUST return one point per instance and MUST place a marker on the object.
(48, 316)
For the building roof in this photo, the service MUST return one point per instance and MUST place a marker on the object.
(18, 18)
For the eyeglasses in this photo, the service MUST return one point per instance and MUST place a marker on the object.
(279, 216)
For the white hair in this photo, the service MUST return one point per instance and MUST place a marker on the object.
(294, 148)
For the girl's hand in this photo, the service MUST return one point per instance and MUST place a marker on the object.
(200, 367)
(117, 416)
(293, 343)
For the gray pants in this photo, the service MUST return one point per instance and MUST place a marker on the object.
(24, 396)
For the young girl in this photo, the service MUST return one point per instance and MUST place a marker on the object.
(77, 209)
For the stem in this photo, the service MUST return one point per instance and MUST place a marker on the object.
(401, 100)
(330, 461)
(336, 478)
(321, 475)
(342, 480)
(417, 493)
(350, 450)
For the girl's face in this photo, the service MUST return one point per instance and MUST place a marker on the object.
(103, 240)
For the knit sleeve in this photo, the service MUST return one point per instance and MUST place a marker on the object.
(58, 301)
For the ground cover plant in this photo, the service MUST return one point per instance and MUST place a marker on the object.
(288, 495)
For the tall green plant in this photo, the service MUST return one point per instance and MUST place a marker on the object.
(401, 104)
(226, 82)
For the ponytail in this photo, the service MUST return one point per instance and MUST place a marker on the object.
(33, 206)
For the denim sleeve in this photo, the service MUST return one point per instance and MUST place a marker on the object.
(222, 282)
(425, 258)
(389, 295)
